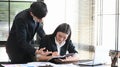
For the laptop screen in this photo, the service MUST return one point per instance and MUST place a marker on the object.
(100, 57)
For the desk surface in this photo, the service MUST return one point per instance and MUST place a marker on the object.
(48, 64)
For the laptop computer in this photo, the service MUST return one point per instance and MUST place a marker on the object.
(99, 58)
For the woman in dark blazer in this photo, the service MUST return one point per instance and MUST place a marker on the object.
(25, 25)
(59, 42)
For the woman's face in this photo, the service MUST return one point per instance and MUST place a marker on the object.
(60, 37)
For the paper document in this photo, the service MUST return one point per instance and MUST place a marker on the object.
(39, 64)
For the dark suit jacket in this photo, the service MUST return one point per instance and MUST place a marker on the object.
(20, 37)
(49, 43)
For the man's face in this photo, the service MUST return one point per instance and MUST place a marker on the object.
(60, 37)
(36, 19)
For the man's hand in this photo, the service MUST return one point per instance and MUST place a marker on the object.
(42, 52)
(55, 54)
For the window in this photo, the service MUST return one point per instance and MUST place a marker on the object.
(107, 25)
(8, 10)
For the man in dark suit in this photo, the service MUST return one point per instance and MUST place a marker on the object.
(25, 25)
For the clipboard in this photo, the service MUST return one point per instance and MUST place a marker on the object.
(57, 59)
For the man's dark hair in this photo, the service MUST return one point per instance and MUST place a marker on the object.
(39, 9)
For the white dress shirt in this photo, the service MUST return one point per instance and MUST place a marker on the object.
(59, 45)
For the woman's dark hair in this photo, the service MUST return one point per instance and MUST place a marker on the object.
(65, 28)
(39, 9)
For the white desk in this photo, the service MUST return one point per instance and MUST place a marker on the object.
(48, 64)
